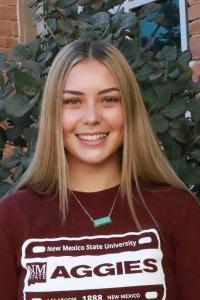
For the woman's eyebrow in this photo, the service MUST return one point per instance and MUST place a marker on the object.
(99, 93)
(108, 90)
(72, 92)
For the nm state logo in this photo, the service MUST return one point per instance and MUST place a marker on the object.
(37, 272)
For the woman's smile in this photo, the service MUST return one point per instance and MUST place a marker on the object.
(92, 139)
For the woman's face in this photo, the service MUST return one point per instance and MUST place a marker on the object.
(92, 114)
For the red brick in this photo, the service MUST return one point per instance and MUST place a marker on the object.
(7, 42)
(194, 12)
(192, 2)
(9, 2)
(196, 70)
(5, 28)
(8, 13)
(15, 29)
(194, 46)
(194, 27)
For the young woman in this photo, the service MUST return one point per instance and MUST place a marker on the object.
(99, 214)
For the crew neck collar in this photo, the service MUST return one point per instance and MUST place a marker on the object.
(107, 190)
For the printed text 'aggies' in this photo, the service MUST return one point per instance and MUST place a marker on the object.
(106, 269)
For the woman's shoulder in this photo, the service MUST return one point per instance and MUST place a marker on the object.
(18, 198)
(173, 201)
(169, 194)
(23, 205)
(166, 192)
(19, 194)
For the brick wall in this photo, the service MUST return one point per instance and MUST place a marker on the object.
(8, 24)
(194, 31)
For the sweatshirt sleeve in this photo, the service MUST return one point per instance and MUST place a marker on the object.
(187, 251)
(8, 269)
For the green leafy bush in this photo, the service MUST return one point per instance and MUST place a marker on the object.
(164, 77)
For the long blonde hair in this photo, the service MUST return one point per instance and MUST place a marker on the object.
(143, 161)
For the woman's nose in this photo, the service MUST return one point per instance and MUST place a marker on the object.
(91, 115)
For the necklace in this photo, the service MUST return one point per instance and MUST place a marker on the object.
(100, 221)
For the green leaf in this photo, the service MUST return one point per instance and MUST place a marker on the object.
(4, 174)
(175, 124)
(144, 73)
(189, 173)
(66, 25)
(2, 141)
(26, 83)
(195, 154)
(84, 2)
(4, 66)
(131, 50)
(10, 162)
(175, 109)
(4, 188)
(1, 104)
(17, 106)
(13, 133)
(61, 39)
(159, 123)
(174, 74)
(178, 134)
(185, 57)
(127, 20)
(108, 4)
(31, 135)
(21, 52)
(52, 2)
(90, 35)
(34, 47)
(172, 149)
(108, 38)
(155, 75)
(2, 81)
(18, 172)
(2, 136)
(3, 55)
(64, 3)
(52, 24)
(101, 20)
(32, 66)
(123, 20)
(162, 96)
(180, 84)
(194, 108)
(8, 90)
(45, 56)
(168, 53)
(27, 160)
(97, 5)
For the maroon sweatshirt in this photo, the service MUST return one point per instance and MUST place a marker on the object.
(42, 258)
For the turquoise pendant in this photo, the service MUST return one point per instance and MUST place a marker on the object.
(102, 221)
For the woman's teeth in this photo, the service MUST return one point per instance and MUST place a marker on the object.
(92, 137)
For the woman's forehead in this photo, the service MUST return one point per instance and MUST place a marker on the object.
(90, 73)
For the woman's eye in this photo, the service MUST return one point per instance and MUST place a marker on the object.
(71, 101)
(110, 99)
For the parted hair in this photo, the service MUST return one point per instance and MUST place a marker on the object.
(143, 160)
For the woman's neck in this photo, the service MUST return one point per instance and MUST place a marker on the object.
(94, 177)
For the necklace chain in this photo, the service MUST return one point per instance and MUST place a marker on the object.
(100, 221)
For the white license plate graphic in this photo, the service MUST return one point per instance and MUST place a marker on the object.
(126, 266)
